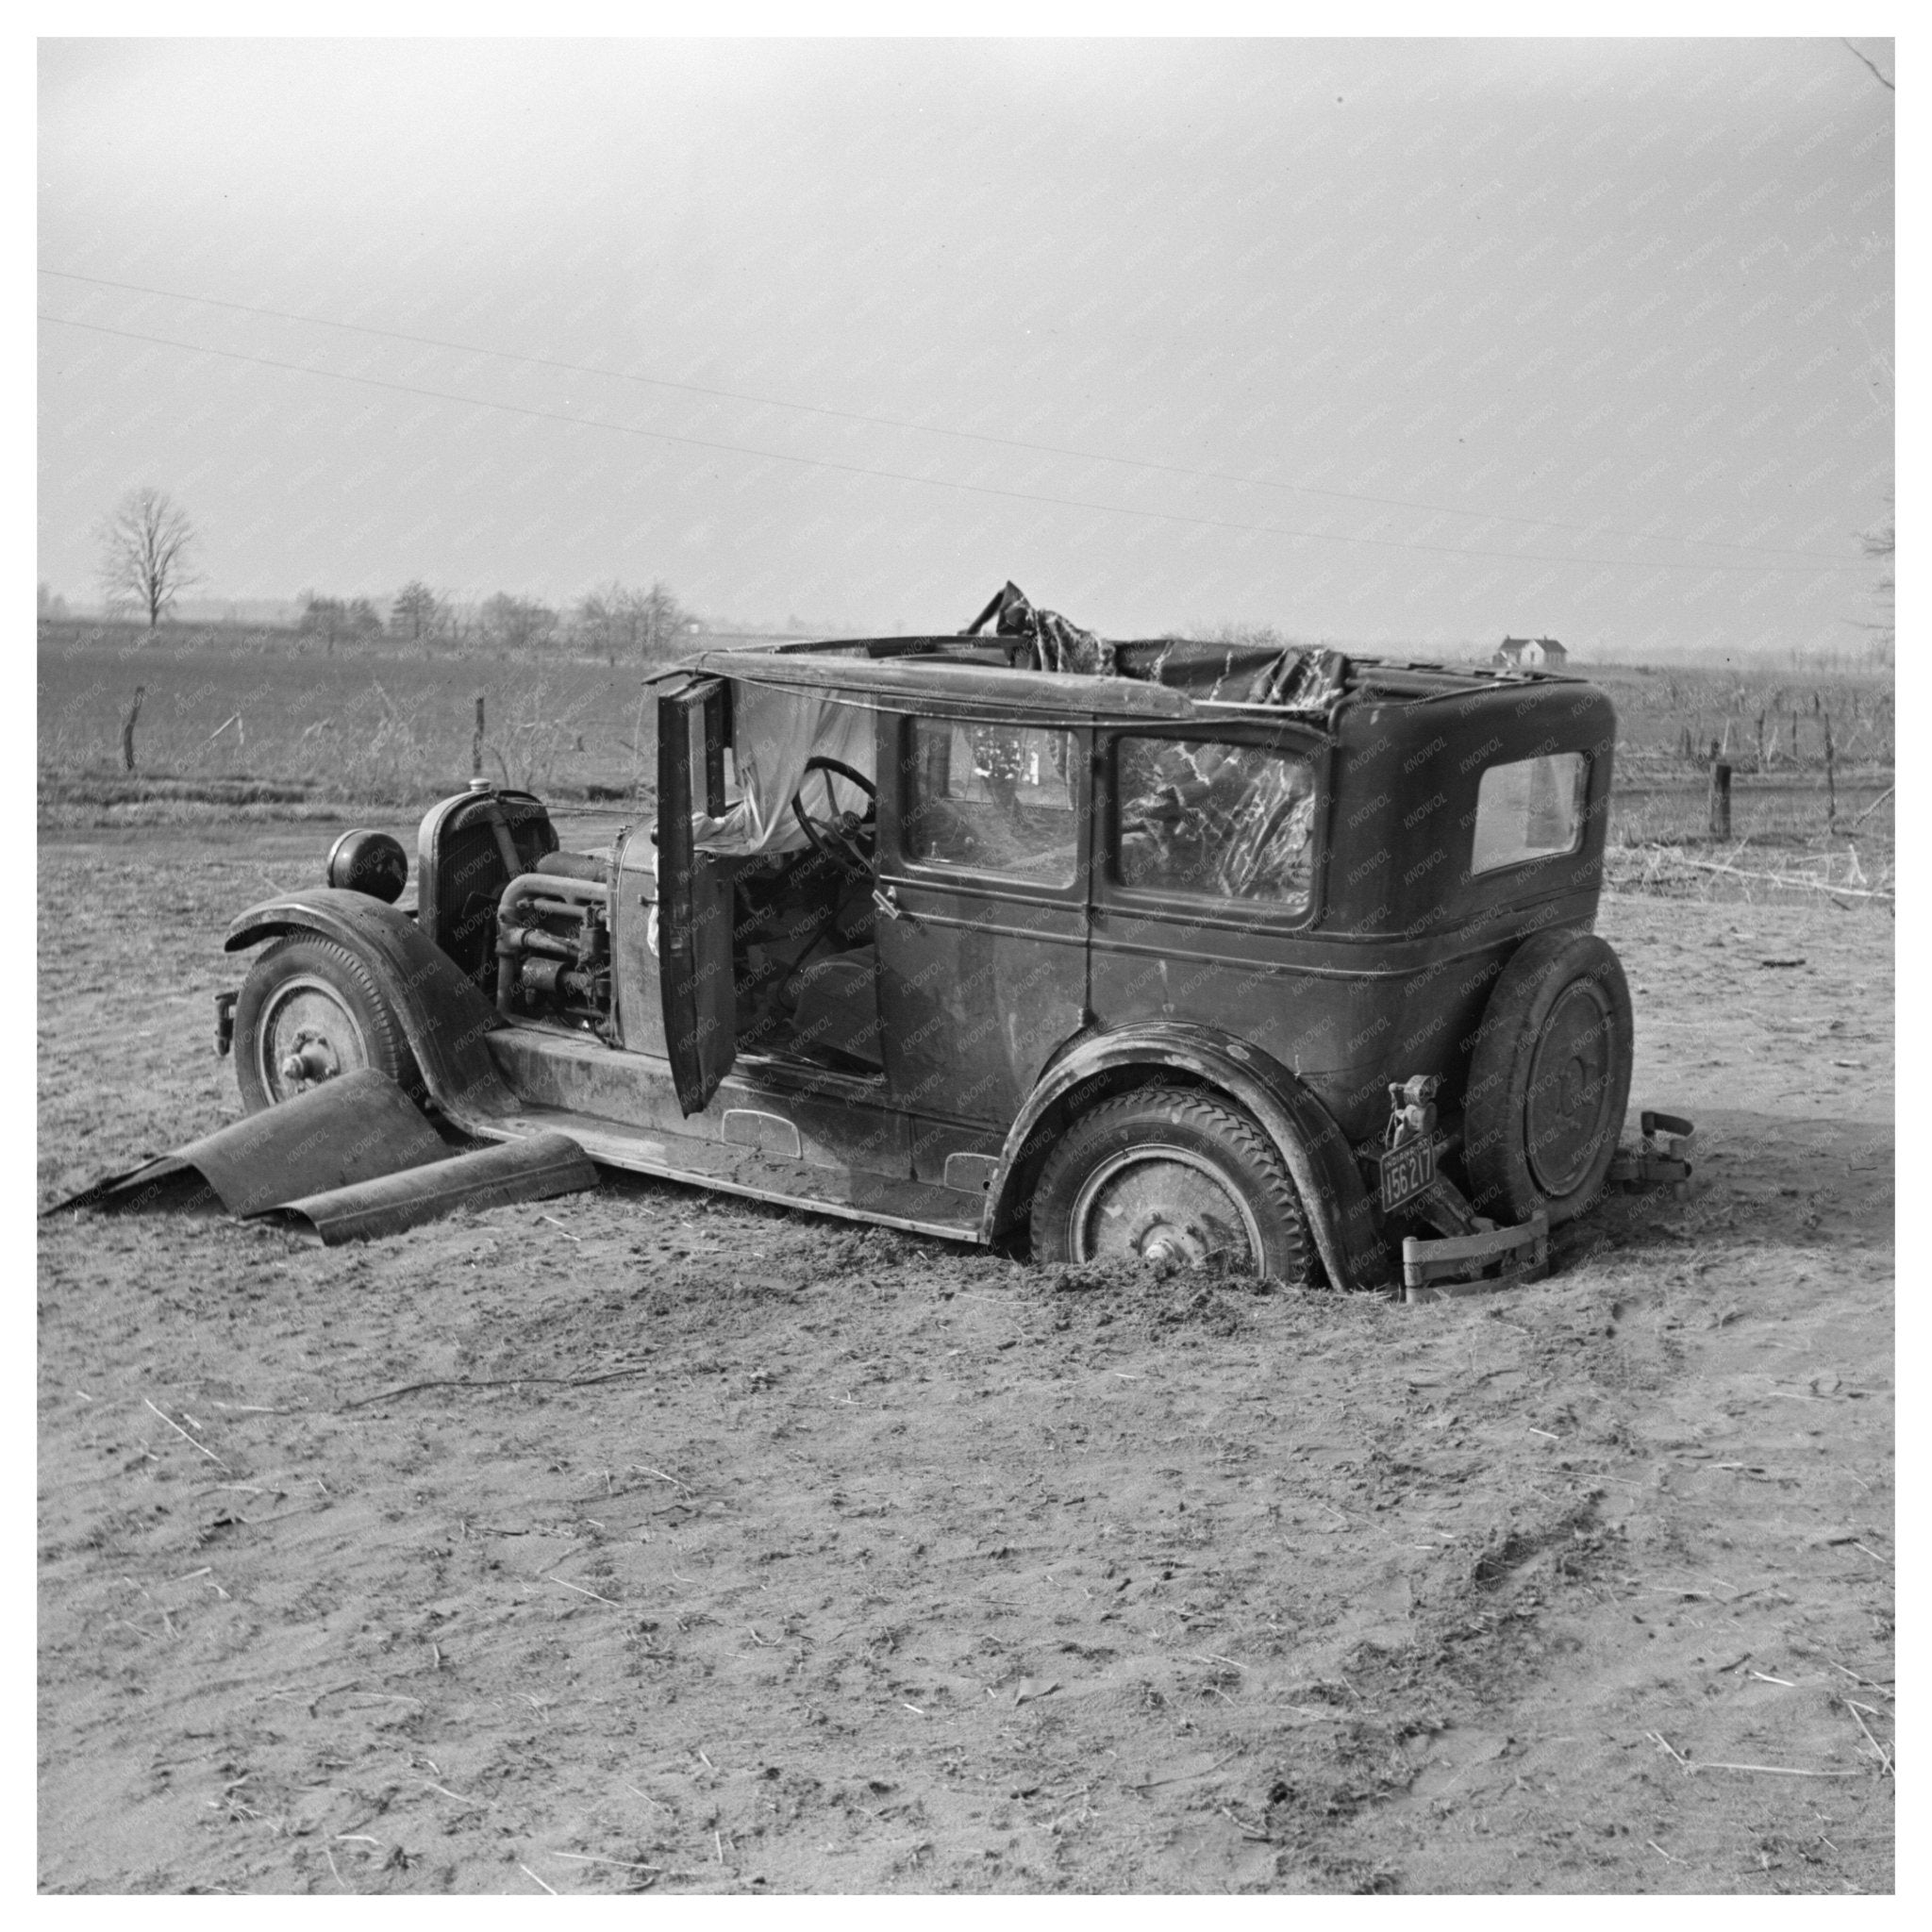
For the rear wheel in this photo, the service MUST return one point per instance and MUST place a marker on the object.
(1550, 1079)
(310, 1012)
(1165, 1174)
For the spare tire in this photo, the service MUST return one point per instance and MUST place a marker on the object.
(1549, 1081)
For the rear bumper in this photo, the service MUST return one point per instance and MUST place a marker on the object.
(1434, 1271)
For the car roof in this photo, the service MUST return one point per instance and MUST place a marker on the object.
(1159, 678)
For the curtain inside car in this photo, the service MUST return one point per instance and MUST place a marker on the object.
(774, 733)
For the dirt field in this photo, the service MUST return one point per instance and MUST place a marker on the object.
(760, 1552)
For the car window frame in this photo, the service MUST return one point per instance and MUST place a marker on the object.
(1472, 876)
(987, 881)
(1212, 908)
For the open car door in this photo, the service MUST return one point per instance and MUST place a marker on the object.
(693, 896)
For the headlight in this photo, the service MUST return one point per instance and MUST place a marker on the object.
(371, 862)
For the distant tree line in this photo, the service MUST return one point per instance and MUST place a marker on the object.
(354, 619)
(613, 620)
(147, 559)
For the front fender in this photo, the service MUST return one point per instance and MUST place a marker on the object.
(1319, 1157)
(443, 1016)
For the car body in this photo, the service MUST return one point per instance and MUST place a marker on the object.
(913, 919)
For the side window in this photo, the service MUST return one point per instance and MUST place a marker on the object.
(1530, 810)
(1229, 821)
(993, 798)
(710, 749)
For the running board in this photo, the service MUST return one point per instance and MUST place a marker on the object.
(910, 1205)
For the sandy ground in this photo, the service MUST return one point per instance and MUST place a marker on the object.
(757, 1551)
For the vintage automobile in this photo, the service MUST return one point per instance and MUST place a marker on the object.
(1164, 949)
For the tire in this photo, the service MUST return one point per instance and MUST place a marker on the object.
(1549, 1081)
(309, 999)
(1165, 1173)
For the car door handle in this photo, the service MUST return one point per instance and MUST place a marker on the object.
(887, 899)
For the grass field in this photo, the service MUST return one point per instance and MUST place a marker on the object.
(240, 723)
(389, 730)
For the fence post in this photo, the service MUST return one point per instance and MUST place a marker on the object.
(1830, 778)
(1720, 802)
(476, 742)
(127, 727)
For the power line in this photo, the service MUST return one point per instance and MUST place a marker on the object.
(740, 449)
(924, 428)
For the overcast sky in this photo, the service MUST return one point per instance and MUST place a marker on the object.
(1382, 341)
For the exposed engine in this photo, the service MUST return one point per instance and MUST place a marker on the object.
(528, 923)
(553, 944)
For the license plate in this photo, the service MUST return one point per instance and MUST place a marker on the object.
(1406, 1172)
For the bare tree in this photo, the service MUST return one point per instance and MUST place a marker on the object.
(459, 621)
(644, 623)
(517, 624)
(331, 618)
(145, 546)
(661, 620)
(602, 619)
(416, 612)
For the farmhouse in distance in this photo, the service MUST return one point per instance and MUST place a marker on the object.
(1531, 653)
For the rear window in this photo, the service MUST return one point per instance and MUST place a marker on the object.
(1224, 821)
(1530, 810)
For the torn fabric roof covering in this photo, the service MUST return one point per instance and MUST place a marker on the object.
(1043, 661)
(1285, 677)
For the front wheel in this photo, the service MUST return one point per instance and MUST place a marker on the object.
(1167, 1174)
(310, 1012)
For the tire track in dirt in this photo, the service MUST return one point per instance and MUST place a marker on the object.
(898, 1568)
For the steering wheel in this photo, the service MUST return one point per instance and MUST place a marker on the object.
(845, 839)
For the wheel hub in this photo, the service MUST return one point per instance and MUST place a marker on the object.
(312, 1060)
(1163, 1204)
(308, 1035)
